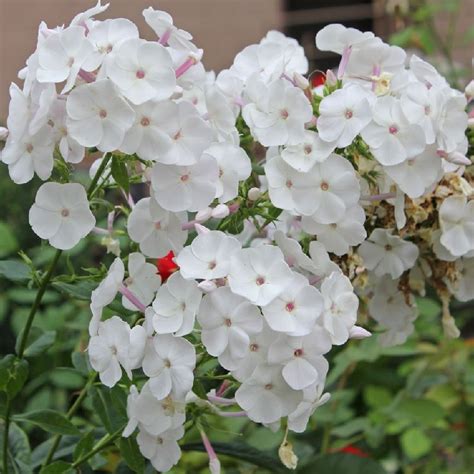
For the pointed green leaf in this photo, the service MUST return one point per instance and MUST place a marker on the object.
(49, 420)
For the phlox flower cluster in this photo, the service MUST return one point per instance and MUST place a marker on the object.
(273, 208)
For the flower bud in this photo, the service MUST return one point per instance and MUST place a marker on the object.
(458, 158)
(331, 79)
(207, 286)
(204, 214)
(358, 332)
(469, 90)
(3, 133)
(215, 466)
(253, 194)
(113, 245)
(300, 81)
(200, 229)
(220, 211)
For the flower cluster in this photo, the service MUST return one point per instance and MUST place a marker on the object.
(280, 214)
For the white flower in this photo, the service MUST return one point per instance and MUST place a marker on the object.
(388, 254)
(227, 321)
(116, 345)
(301, 358)
(234, 166)
(339, 236)
(311, 150)
(162, 450)
(142, 70)
(61, 214)
(456, 219)
(143, 281)
(415, 175)
(343, 114)
(187, 134)
(337, 38)
(277, 114)
(452, 122)
(313, 398)
(63, 54)
(185, 188)
(175, 306)
(294, 255)
(105, 293)
(392, 139)
(324, 192)
(463, 288)
(323, 265)
(259, 274)
(426, 73)
(265, 396)
(340, 307)
(208, 256)
(156, 230)
(98, 116)
(152, 415)
(169, 363)
(296, 310)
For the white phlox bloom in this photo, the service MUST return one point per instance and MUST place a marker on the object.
(265, 396)
(338, 237)
(234, 166)
(296, 310)
(343, 114)
(162, 450)
(302, 358)
(169, 363)
(156, 230)
(151, 415)
(293, 253)
(185, 188)
(391, 137)
(276, 114)
(324, 192)
(337, 38)
(105, 293)
(463, 288)
(313, 397)
(259, 274)
(116, 346)
(63, 54)
(142, 70)
(456, 219)
(228, 321)
(142, 281)
(98, 116)
(387, 254)
(175, 307)
(340, 307)
(389, 307)
(61, 214)
(452, 122)
(323, 265)
(208, 257)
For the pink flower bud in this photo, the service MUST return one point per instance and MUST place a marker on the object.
(220, 211)
(331, 79)
(358, 332)
(204, 215)
(300, 81)
(200, 229)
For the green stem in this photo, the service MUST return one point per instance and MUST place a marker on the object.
(69, 415)
(92, 187)
(103, 443)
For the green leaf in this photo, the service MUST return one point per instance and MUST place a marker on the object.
(131, 454)
(110, 405)
(67, 377)
(19, 452)
(13, 374)
(80, 291)
(80, 361)
(415, 443)
(40, 343)
(84, 446)
(58, 467)
(425, 412)
(49, 420)
(14, 270)
(377, 397)
(8, 242)
(341, 463)
(243, 452)
(120, 173)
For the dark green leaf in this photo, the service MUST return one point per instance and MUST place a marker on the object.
(110, 405)
(84, 446)
(49, 420)
(57, 467)
(120, 173)
(131, 454)
(19, 452)
(425, 412)
(341, 463)
(80, 291)
(41, 343)
(14, 270)
(13, 374)
(80, 361)
(8, 242)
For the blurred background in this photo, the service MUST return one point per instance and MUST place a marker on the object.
(407, 409)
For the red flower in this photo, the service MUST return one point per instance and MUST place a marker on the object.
(166, 266)
(351, 449)
(318, 79)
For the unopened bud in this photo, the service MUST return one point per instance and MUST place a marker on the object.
(331, 79)
(253, 194)
(358, 332)
(469, 91)
(457, 158)
(200, 229)
(215, 466)
(207, 286)
(220, 211)
(287, 455)
(204, 214)
(3, 133)
(300, 81)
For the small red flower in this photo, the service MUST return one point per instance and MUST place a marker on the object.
(318, 79)
(166, 266)
(351, 449)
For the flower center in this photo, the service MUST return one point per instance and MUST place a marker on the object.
(29, 148)
(177, 135)
(70, 62)
(158, 225)
(103, 113)
(159, 440)
(145, 121)
(184, 178)
(212, 265)
(253, 347)
(308, 149)
(167, 363)
(268, 386)
(388, 247)
(284, 114)
(65, 212)
(228, 322)
(393, 129)
(298, 352)
(348, 114)
(427, 110)
(140, 74)
(324, 186)
(260, 281)
(289, 183)
(221, 172)
(290, 306)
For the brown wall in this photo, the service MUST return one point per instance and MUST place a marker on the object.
(221, 27)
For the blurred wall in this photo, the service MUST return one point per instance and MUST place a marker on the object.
(221, 27)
